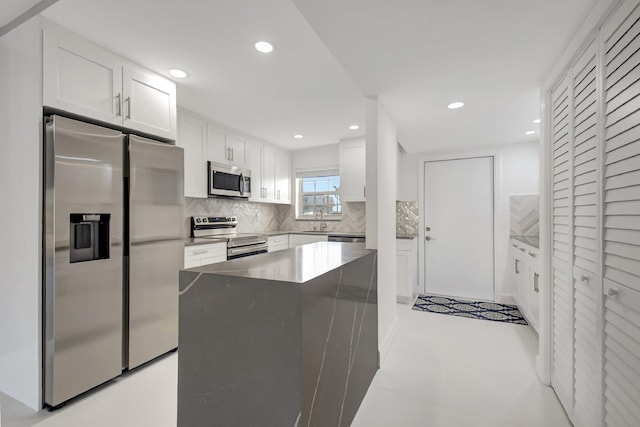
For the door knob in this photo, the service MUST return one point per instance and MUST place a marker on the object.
(428, 238)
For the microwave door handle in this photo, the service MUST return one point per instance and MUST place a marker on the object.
(241, 185)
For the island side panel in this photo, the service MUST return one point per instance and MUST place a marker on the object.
(239, 352)
(339, 342)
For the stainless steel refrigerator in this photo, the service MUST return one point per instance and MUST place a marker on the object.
(113, 230)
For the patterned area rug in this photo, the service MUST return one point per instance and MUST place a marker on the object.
(472, 309)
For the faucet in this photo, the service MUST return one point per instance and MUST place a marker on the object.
(323, 224)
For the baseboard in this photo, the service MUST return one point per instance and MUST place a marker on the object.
(386, 343)
(505, 299)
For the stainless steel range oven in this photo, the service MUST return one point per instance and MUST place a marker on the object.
(222, 227)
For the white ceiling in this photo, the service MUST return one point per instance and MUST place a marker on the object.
(420, 55)
(417, 55)
(11, 9)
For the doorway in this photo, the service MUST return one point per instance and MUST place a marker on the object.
(458, 214)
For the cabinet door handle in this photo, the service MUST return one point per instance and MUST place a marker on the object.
(231, 154)
(200, 252)
(516, 265)
(612, 292)
(515, 246)
(118, 105)
(533, 254)
(278, 195)
(522, 249)
(536, 276)
(128, 101)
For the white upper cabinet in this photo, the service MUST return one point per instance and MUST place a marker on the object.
(225, 147)
(276, 175)
(236, 147)
(205, 141)
(149, 102)
(192, 137)
(253, 162)
(82, 78)
(216, 147)
(353, 171)
(283, 176)
(269, 174)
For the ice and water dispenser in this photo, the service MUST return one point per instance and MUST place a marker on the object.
(89, 238)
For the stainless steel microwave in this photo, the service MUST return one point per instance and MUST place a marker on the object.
(228, 181)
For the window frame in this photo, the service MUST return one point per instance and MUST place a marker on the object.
(300, 194)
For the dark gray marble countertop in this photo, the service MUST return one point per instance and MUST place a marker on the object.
(296, 265)
(529, 240)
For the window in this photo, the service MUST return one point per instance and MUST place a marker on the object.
(318, 192)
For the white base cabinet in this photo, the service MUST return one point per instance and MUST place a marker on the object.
(407, 270)
(197, 255)
(303, 239)
(526, 275)
(279, 242)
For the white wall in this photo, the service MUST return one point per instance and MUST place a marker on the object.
(517, 172)
(382, 172)
(20, 214)
(326, 156)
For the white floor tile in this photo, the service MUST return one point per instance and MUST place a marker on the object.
(440, 371)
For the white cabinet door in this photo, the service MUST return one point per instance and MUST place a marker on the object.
(253, 162)
(522, 282)
(81, 77)
(407, 271)
(149, 102)
(353, 171)
(236, 150)
(283, 176)
(278, 243)
(534, 297)
(192, 137)
(269, 174)
(217, 150)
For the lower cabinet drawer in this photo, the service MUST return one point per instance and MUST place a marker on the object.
(198, 255)
(278, 243)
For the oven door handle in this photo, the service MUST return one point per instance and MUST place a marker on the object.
(246, 249)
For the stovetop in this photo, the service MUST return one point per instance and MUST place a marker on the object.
(223, 228)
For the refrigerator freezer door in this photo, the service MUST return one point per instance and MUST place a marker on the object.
(82, 295)
(156, 253)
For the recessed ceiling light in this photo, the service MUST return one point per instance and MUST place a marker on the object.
(298, 136)
(536, 121)
(354, 127)
(178, 73)
(531, 132)
(264, 47)
(455, 105)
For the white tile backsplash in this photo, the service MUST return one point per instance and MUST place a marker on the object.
(265, 217)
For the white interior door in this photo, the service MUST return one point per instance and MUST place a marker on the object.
(458, 213)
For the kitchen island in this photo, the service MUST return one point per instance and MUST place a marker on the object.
(279, 339)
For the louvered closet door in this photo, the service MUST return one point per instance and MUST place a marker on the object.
(587, 362)
(621, 36)
(562, 361)
(621, 355)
